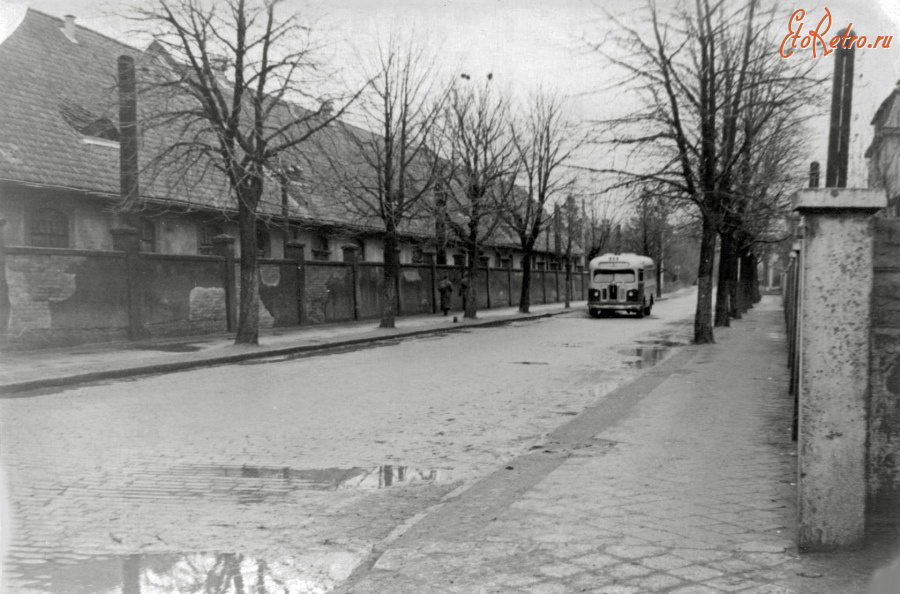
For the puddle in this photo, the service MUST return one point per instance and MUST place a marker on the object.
(321, 479)
(649, 353)
(662, 343)
(201, 573)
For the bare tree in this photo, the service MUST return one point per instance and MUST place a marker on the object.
(571, 229)
(392, 172)
(649, 230)
(600, 216)
(755, 193)
(544, 143)
(693, 71)
(220, 101)
(478, 159)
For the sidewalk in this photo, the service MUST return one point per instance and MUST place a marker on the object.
(683, 481)
(30, 370)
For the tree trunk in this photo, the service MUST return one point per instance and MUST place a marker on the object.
(703, 328)
(471, 311)
(723, 290)
(389, 288)
(525, 293)
(568, 282)
(248, 312)
(659, 278)
(752, 276)
(736, 291)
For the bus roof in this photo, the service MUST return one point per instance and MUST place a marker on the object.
(623, 260)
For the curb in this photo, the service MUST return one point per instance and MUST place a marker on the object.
(8, 389)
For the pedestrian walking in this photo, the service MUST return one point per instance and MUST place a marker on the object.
(445, 288)
(464, 290)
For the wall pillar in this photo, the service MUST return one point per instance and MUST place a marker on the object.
(835, 292)
(543, 285)
(434, 282)
(127, 239)
(4, 286)
(223, 245)
(295, 250)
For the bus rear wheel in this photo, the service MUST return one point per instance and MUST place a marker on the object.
(642, 310)
(594, 313)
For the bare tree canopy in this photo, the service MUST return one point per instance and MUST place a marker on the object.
(706, 85)
(478, 157)
(388, 171)
(225, 103)
(545, 143)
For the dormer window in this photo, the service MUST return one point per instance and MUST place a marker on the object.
(93, 128)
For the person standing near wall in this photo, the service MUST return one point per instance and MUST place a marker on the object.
(464, 290)
(445, 288)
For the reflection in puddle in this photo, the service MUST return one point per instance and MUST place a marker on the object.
(195, 573)
(323, 479)
(649, 353)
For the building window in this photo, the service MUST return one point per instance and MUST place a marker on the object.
(148, 235)
(263, 242)
(351, 253)
(418, 256)
(49, 228)
(505, 262)
(320, 249)
(459, 260)
(207, 232)
(484, 261)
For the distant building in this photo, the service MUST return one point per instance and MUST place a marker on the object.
(884, 152)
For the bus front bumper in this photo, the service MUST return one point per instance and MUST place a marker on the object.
(600, 306)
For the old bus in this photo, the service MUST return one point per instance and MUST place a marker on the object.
(621, 282)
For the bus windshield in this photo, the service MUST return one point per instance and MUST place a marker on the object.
(613, 276)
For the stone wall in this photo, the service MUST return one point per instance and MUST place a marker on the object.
(64, 297)
(884, 382)
(183, 294)
(59, 297)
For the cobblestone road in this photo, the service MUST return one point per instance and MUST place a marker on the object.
(301, 466)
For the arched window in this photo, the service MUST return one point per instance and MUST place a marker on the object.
(49, 227)
(148, 235)
(207, 232)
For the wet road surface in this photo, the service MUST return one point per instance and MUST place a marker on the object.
(282, 474)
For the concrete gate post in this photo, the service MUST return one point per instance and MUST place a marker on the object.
(835, 291)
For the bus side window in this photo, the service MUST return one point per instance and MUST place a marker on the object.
(641, 275)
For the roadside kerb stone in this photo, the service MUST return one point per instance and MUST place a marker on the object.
(213, 358)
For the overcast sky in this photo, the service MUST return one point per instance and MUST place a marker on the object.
(529, 42)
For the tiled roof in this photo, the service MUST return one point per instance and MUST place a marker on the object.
(57, 93)
(48, 79)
